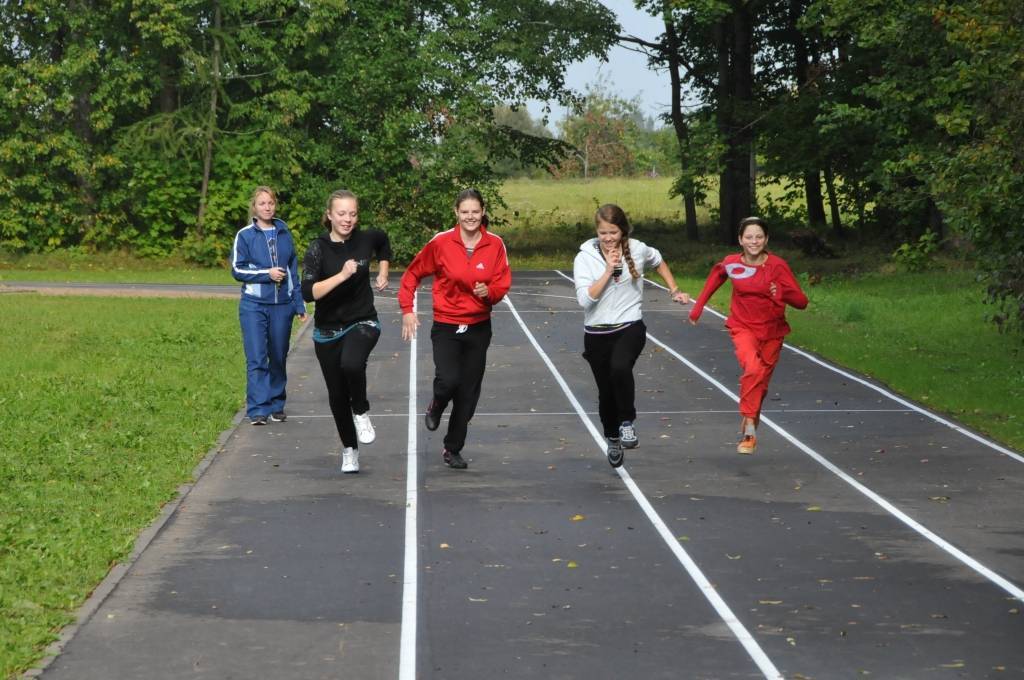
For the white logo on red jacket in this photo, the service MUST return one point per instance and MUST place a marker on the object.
(479, 265)
(736, 270)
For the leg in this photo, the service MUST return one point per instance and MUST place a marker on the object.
(447, 363)
(597, 352)
(769, 352)
(628, 345)
(280, 334)
(358, 343)
(254, 321)
(752, 372)
(474, 343)
(329, 356)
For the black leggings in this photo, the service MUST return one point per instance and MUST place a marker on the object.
(343, 363)
(459, 362)
(611, 357)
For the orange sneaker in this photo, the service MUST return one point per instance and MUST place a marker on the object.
(747, 444)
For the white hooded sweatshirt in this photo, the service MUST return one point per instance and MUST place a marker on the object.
(620, 300)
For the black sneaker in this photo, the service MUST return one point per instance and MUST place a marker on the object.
(432, 418)
(258, 420)
(279, 417)
(454, 460)
(615, 454)
(627, 435)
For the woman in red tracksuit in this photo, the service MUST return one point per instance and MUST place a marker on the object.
(762, 286)
(471, 275)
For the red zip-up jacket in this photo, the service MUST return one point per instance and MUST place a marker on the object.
(455, 275)
(752, 306)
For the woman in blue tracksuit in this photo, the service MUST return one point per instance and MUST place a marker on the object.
(263, 259)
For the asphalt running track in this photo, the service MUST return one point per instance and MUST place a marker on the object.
(866, 538)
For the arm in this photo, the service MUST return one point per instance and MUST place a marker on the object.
(715, 280)
(502, 280)
(790, 292)
(589, 289)
(242, 266)
(670, 281)
(384, 255)
(294, 286)
(421, 265)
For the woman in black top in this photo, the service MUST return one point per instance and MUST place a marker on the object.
(336, 275)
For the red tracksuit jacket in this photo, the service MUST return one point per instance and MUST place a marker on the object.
(455, 275)
(752, 306)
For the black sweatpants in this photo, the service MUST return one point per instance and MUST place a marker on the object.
(459, 362)
(343, 363)
(611, 357)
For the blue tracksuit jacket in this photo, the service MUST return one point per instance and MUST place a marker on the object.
(252, 257)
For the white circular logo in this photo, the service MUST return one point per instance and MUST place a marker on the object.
(737, 270)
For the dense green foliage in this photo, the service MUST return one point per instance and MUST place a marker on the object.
(96, 437)
(150, 122)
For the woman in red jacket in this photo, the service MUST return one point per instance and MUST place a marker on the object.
(762, 286)
(471, 275)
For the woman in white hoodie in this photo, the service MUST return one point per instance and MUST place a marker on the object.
(608, 273)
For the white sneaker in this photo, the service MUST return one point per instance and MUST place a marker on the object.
(364, 428)
(350, 460)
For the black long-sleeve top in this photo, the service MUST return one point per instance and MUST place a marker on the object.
(352, 300)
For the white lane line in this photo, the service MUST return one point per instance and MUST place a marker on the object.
(410, 578)
(937, 540)
(510, 414)
(724, 612)
(895, 397)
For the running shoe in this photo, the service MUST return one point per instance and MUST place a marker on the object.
(627, 435)
(747, 444)
(432, 418)
(454, 460)
(364, 428)
(279, 417)
(258, 420)
(615, 453)
(350, 460)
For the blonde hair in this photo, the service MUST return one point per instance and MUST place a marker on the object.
(255, 194)
(613, 214)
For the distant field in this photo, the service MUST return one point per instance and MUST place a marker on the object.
(544, 202)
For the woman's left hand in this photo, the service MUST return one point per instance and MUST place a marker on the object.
(480, 290)
(382, 281)
(772, 289)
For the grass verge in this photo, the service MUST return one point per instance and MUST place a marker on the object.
(106, 407)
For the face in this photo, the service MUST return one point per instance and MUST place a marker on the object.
(343, 216)
(608, 235)
(753, 241)
(470, 214)
(266, 206)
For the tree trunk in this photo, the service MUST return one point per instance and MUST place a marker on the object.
(812, 177)
(833, 204)
(211, 123)
(815, 201)
(735, 94)
(679, 123)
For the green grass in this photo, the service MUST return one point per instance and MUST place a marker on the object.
(106, 405)
(78, 266)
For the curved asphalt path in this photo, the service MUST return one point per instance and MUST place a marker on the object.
(864, 539)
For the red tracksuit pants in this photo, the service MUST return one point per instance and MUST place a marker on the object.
(757, 362)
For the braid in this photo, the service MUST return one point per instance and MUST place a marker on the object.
(629, 258)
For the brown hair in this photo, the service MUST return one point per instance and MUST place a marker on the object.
(613, 214)
(336, 195)
(255, 194)
(747, 221)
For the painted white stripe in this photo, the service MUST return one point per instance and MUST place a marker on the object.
(730, 412)
(899, 400)
(410, 578)
(724, 612)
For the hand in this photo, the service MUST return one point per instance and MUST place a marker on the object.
(302, 318)
(680, 297)
(349, 268)
(382, 281)
(409, 325)
(277, 274)
(693, 322)
(613, 260)
(772, 289)
(480, 290)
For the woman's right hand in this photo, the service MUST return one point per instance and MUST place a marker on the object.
(409, 325)
(613, 260)
(349, 268)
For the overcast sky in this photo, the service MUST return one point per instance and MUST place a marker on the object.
(626, 73)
